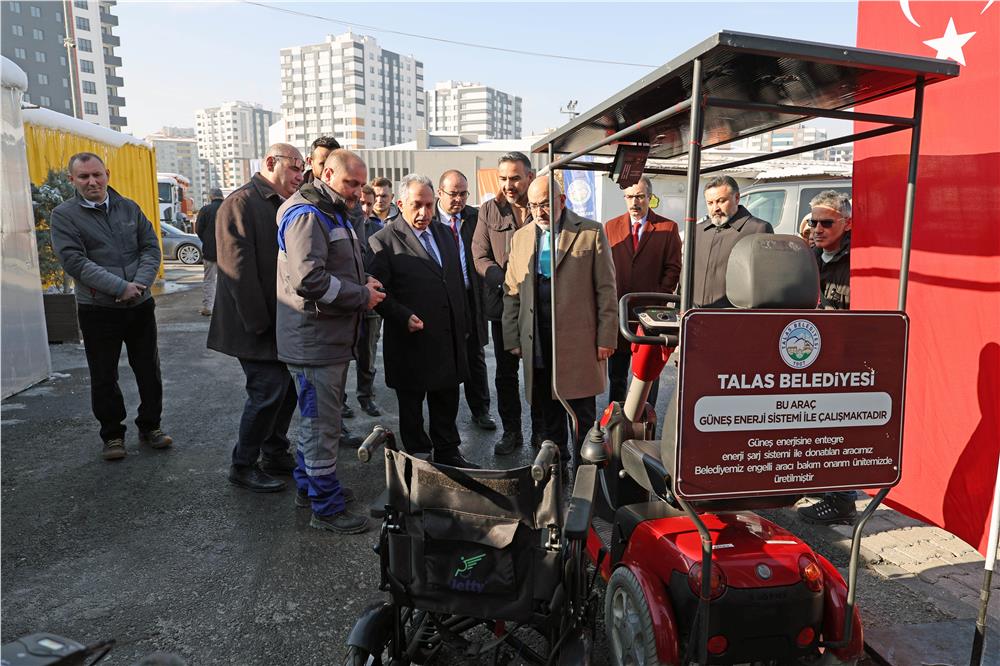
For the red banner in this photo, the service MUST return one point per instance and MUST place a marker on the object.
(952, 427)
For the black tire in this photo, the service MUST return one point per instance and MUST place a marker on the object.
(360, 657)
(189, 254)
(631, 639)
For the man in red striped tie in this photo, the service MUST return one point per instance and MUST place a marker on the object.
(461, 220)
(646, 250)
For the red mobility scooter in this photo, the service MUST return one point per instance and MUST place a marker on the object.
(775, 400)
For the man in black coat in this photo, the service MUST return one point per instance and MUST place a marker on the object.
(243, 321)
(426, 318)
(205, 228)
(461, 220)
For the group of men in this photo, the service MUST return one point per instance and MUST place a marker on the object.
(311, 261)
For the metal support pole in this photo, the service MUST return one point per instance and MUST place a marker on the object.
(554, 230)
(704, 605)
(694, 168)
(911, 192)
(979, 638)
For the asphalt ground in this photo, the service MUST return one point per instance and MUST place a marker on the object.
(161, 552)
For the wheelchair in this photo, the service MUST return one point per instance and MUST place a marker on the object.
(486, 562)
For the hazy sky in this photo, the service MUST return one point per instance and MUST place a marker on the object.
(182, 56)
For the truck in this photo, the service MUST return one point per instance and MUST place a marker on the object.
(176, 205)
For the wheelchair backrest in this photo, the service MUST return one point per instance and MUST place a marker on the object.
(772, 271)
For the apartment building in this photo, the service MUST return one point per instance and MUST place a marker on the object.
(77, 75)
(472, 108)
(177, 152)
(231, 138)
(351, 88)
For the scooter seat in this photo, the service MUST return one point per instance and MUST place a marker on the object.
(641, 461)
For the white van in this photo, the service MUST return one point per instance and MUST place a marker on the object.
(785, 203)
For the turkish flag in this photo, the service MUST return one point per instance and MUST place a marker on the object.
(952, 428)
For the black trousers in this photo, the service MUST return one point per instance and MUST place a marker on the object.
(555, 421)
(442, 407)
(365, 364)
(506, 382)
(104, 330)
(618, 378)
(271, 400)
(477, 388)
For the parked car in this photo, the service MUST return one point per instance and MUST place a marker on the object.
(785, 203)
(185, 248)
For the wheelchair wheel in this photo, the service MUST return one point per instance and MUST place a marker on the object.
(360, 657)
(631, 639)
(378, 652)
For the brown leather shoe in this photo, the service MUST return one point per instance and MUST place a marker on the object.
(114, 449)
(156, 439)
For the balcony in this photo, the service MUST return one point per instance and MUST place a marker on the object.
(114, 100)
(112, 60)
(108, 19)
(115, 81)
(118, 122)
(110, 40)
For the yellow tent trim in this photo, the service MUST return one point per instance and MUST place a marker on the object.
(132, 166)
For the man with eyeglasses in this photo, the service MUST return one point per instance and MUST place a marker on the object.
(646, 249)
(586, 306)
(499, 218)
(726, 223)
(830, 221)
(243, 322)
(461, 220)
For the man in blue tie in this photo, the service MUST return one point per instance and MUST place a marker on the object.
(425, 321)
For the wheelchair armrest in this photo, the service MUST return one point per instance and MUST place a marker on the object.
(581, 505)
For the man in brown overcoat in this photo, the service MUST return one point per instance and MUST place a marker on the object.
(646, 250)
(586, 309)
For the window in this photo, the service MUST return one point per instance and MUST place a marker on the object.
(65, 83)
(67, 104)
(89, 87)
(84, 45)
(17, 30)
(19, 53)
(62, 60)
(82, 23)
(90, 108)
(39, 56)
(87, 66)
(38, 34)
(43, 79)
(766, 204)
(15, 7)
(80, 4)
(45, 101)
(36, 12)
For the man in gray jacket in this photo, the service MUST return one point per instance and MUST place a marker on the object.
(109, 248)
(323, 292)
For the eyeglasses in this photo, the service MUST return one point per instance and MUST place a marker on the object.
(539, 206)
(455, 195)
(296, 162)
(826, 224)
(636, 197)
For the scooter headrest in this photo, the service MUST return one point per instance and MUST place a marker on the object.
(772, 271)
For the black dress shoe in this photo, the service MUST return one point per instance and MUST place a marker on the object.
(347, 412)
(507, 443)
(347, 440)
(536, 441)
(454, 459)
(253, 479)
(370, 408)
(278, 465)
(484, 422)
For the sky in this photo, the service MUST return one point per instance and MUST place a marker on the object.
(182, 56)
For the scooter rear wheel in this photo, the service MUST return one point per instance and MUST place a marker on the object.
(631, 638)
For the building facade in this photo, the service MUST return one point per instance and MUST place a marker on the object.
(472, 108)
(177, 152)
(351, 88)
(231, 137)
(77, 75)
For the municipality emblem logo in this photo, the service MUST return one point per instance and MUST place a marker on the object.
(799, 344)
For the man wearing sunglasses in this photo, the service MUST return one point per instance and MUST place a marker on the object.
(830, 222)
(243, 321)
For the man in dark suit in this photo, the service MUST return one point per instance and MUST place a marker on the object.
(426, 319)
(205, 228)
(646, 250)
(461, 220)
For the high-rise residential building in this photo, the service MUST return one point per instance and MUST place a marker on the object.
(80, 79)
(351, 88)
(231, 138)
(177, 152)
(472, 108)
(783, 139)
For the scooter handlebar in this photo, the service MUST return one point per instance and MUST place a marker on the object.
(546, 456)
(378, 437)
(648, 298)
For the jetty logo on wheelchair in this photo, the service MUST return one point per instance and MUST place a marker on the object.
(461, 581)
(799, 344)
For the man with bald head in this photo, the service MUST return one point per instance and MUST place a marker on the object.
(586, 307)
(243, 321)
(418, 261)
(323, 293)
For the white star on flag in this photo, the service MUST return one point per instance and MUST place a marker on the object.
(949, 45)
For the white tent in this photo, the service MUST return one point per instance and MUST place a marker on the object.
(24, 350)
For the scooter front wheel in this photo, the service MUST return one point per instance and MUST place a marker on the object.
(629, 625)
